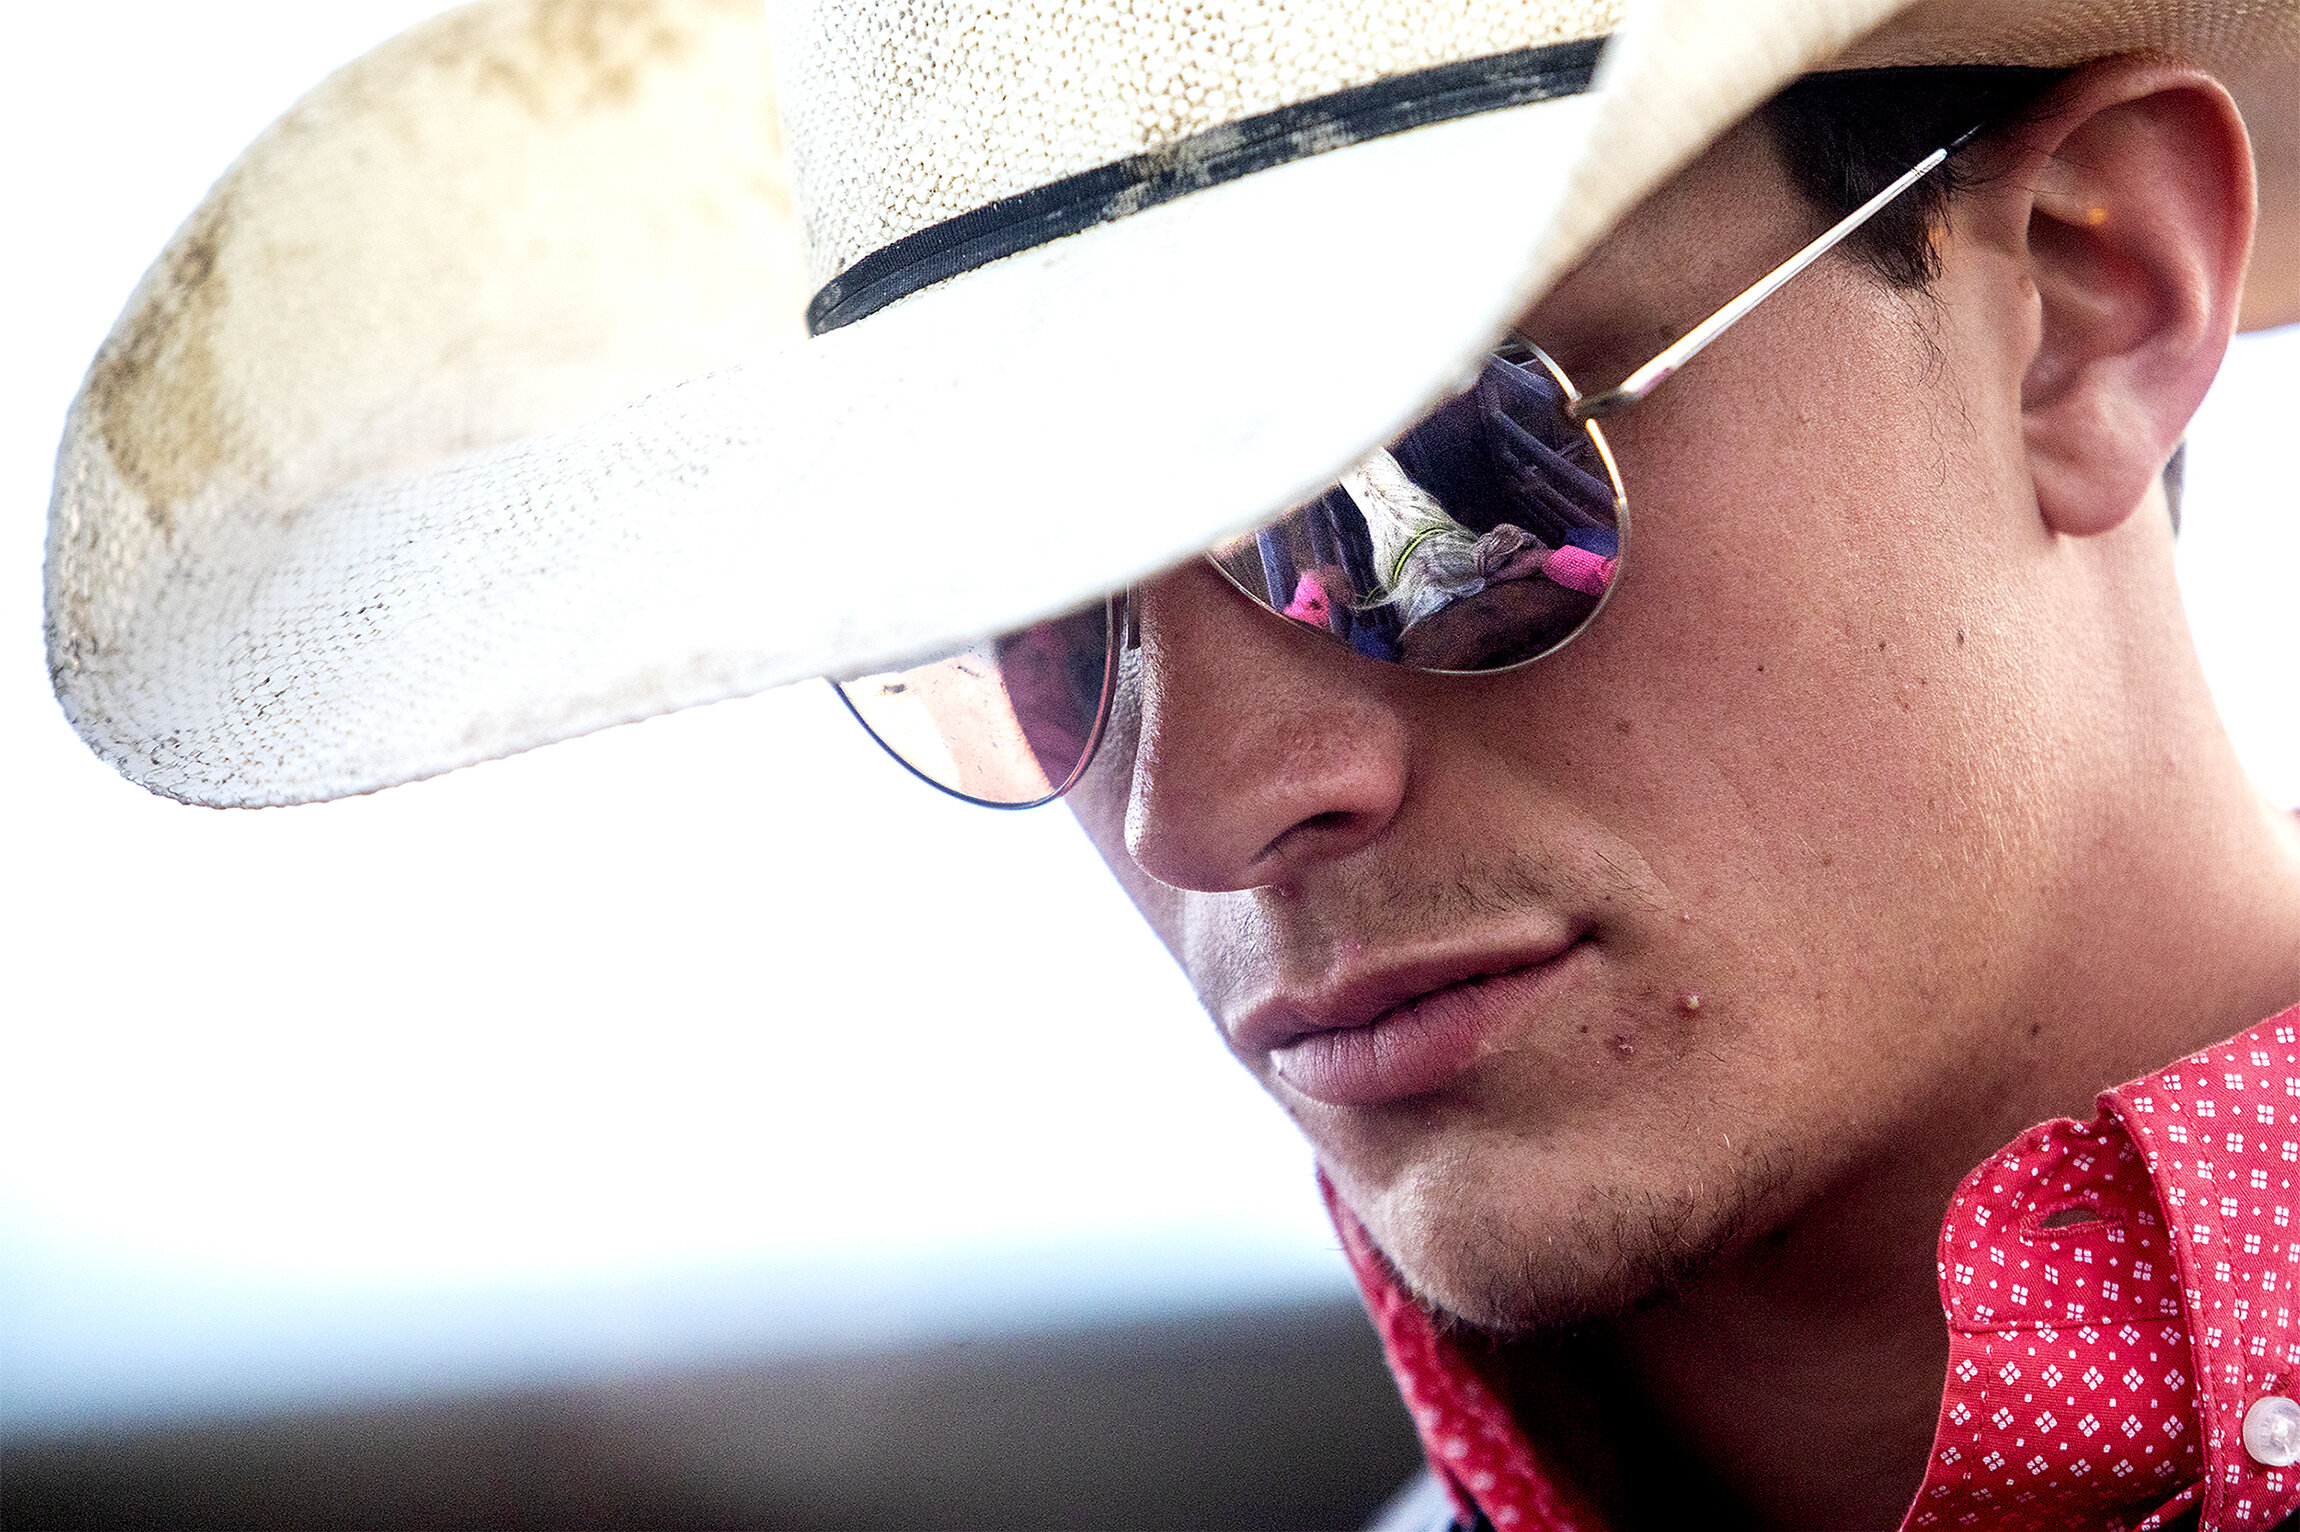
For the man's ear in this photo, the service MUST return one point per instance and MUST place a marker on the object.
(2138, 182)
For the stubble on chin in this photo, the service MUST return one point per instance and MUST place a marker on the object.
(1480, 1271)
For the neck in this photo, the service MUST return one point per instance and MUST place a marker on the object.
(1797, 1382)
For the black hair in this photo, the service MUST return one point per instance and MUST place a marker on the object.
(1846, 135)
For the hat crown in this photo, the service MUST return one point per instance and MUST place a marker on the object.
(899, 117)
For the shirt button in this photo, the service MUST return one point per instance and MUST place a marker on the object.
(2272, 1432)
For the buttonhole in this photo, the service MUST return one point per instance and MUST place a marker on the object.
(2069, 1218)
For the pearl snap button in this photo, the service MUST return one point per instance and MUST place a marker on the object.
(2272, 1432)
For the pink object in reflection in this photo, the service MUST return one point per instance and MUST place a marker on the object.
(1311, 604)
(1579, 569)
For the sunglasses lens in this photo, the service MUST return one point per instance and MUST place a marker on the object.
(1010, 721)
(1484, 537)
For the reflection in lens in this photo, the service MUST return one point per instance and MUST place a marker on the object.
(1007, 721)
(1484, 537)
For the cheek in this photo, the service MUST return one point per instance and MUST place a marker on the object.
(1099, 803)
(1803, 574)
(1807, 708)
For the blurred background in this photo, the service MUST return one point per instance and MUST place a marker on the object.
(695, 1124)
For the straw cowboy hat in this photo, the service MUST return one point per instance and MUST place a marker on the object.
(476, 406)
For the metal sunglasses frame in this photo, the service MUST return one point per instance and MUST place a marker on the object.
(1582, 408)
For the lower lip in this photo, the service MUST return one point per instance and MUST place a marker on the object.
(1419, 1047)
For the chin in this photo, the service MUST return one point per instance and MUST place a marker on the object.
(1473, 1245)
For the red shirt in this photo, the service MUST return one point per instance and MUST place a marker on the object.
(2119, 1294)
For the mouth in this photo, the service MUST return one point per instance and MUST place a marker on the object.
(1404, 1030)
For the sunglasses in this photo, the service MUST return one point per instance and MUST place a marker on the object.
(1485, 538)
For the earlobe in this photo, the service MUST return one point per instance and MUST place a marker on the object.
(2140, 219)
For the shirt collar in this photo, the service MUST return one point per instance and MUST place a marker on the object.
(2119, 1296)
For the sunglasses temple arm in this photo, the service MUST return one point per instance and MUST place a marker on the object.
(1656, 372)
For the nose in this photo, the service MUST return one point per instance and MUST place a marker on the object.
(1264, 749)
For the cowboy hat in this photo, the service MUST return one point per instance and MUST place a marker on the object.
(476, 407)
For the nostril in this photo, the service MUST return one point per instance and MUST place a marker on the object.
(1313, 828)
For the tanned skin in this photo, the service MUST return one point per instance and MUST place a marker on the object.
(1891, 749)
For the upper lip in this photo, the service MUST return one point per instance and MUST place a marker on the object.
(1361, 998)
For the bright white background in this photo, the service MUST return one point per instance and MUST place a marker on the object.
(711, 1036)
(717, 1033)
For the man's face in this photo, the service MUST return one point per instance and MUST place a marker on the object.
(1574, 974)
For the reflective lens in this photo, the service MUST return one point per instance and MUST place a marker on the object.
(1483, 538)
(1010, 721)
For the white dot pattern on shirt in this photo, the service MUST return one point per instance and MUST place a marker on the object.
(2068, 1393)
(2103, 1383)
(2221, 1132)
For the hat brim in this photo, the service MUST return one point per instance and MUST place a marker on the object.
(980, 454)
(288, 624)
